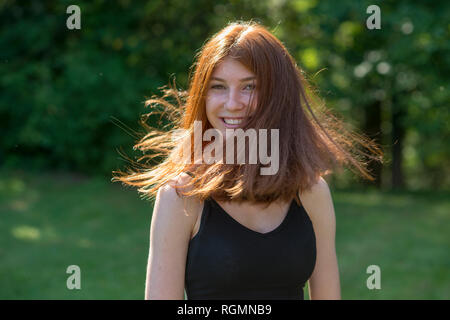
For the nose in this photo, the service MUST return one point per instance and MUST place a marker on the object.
(234, 101)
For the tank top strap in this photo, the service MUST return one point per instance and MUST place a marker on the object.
(298, 198)
(206, 211)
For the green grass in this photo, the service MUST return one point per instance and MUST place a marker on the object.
(51, 221)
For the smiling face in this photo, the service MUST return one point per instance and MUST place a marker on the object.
(231, 91)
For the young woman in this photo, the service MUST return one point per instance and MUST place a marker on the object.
(224, 230)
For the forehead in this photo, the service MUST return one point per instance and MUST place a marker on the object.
(231, 69)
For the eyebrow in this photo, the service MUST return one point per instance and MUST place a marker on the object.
(242, 80)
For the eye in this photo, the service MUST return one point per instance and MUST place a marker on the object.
(217, 86)
(250, 86)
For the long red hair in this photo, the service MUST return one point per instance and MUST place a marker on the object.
(312, 140)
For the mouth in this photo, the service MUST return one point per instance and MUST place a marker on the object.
(232, 122)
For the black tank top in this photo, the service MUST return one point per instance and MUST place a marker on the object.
(227, 260)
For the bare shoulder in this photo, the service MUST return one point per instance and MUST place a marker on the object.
(324, 281)
(319, 190)
(171, 227)
(176, 207)
(317, 201)
(170, 197)
(182, 179)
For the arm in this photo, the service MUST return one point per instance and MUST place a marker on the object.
(169, 238)
(324, 282)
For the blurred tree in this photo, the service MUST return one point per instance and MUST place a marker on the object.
(60, 88)
(378, 78)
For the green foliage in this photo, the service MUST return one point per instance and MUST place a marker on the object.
(61, 88)
(405, 66)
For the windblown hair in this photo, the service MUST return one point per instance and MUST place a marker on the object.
(311, 144)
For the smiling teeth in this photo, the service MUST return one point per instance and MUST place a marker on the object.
(232, 121)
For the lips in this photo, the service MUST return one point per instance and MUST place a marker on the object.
(232, 122)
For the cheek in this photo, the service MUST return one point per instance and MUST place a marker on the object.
(212, 105)
(211, 110)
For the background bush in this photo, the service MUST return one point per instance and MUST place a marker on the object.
(62, 89)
